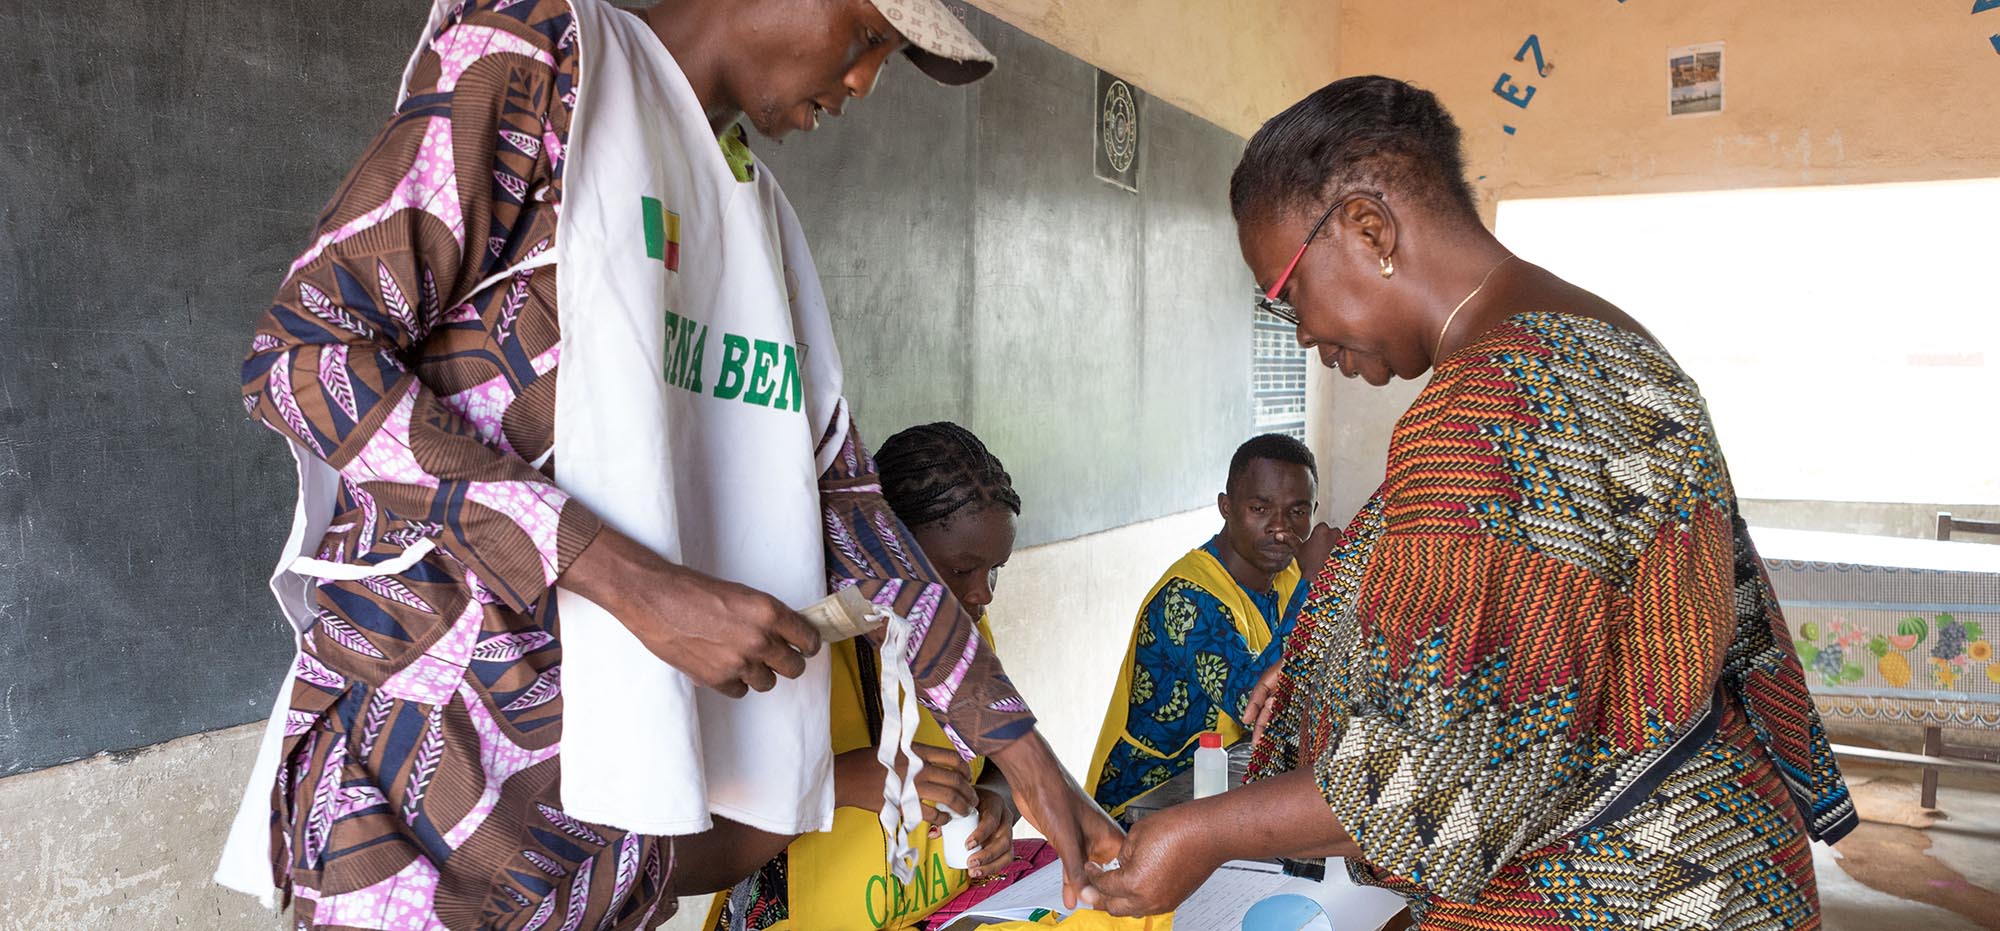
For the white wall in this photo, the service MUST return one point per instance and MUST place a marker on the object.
(1063, 615)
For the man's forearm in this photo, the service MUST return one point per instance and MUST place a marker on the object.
(958, 678)
(991, 779)
(722, 856)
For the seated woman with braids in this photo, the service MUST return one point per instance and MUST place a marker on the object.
(960, 505)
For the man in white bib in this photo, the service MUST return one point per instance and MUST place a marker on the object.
(573, 451)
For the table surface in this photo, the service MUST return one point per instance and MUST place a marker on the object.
(1888, 618)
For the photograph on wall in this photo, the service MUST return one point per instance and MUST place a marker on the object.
(1694, 79)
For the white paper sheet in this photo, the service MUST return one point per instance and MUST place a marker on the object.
(1039, 889)
(1221, 903)
(1337, 904)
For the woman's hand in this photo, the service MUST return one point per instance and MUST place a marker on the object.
(1052, 801)
(1258, 711)
(992, 842)
(728, 637)
(1313, 553)
(1168, 855)
(859, 779)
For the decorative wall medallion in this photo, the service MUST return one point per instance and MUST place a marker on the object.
(1117, 132)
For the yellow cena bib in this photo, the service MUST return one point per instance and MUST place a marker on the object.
(839, 880)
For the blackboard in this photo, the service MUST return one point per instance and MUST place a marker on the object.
(164, 161)
(1097, 340)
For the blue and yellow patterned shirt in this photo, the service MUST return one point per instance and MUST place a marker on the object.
(1191, 665)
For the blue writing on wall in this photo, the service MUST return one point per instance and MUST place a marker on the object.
(1512, 93)
(1534, 44)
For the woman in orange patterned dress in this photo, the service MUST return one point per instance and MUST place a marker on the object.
(1542, 682)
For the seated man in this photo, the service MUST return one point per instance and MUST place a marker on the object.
(1211, 626)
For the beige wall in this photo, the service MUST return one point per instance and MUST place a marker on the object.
(1063, 616)
(1232, 62)
(1835, 92)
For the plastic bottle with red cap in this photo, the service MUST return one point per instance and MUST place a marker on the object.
(1211, 766)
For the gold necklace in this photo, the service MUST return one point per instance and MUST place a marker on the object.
(1461, 306)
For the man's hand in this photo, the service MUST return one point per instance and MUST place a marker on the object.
(1080, 831)
(992, 842)
(726, 636)
(1258, 711)
(721, 856)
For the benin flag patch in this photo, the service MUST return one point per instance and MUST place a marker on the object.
(663, 232)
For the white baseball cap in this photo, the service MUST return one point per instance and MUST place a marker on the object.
(940, 45)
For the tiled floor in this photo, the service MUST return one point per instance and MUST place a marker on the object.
(1907, 869)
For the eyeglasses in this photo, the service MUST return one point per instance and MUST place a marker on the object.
(1268, 301)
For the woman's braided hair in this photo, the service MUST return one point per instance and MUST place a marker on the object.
(933, 471)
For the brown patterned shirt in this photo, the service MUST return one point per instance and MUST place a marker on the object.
(433, 399)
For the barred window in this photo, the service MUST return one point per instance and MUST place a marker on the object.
(1277, 378)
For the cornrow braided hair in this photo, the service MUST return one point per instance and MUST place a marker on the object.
(933, 471)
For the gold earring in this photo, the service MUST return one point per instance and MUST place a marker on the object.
(1388, 267)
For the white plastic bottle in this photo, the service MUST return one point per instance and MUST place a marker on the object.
(1211, 766)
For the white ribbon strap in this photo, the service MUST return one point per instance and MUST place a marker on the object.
(348, 572)
(902, 811)
(541, 259)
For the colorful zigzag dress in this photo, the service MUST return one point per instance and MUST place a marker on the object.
(1543, 681)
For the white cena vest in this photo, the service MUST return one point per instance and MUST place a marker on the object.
(698, 373)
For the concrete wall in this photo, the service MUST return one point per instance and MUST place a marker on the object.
(1234, 63)
(1839, 92)
(128, 840)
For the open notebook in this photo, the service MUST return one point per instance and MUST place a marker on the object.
(1240, 890)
